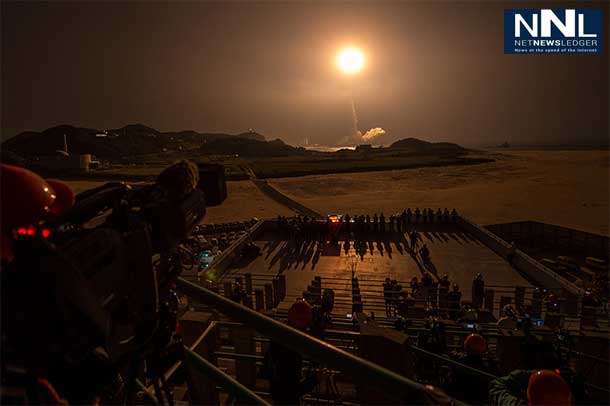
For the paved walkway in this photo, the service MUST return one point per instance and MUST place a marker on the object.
(279, 197)
(453, 252)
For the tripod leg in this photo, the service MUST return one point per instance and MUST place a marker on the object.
(132, 374)
(168, 393)
(158, 392)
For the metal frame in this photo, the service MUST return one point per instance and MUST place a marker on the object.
(394, 385)
(226, 381)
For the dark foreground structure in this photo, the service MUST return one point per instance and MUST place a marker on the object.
(120, 295)
(399, 306)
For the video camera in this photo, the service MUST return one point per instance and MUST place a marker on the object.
(94, 292)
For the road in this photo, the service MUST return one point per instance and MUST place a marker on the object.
(278, 196)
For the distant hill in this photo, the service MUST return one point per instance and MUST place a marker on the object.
(252, 135)
(420, 146)
(132, 140)
(250, 147)
(80, 140)
(138, 139)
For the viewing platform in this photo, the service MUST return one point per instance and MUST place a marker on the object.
(272, 263)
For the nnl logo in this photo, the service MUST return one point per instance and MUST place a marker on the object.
(567, 27)
(556, 31)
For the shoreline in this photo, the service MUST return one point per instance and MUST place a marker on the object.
(380, 168)
(126, 177)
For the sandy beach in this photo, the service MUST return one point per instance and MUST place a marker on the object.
(568, 188)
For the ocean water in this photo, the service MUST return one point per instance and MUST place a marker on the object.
(324, 148)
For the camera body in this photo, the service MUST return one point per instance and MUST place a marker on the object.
(98, 289)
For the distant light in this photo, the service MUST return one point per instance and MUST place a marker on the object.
(350, 60)
(31, 231)
(46, 233)
(22, 231)
(334, 218)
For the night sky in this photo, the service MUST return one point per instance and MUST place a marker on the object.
(435, 71)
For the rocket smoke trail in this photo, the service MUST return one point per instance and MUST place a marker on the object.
(357, 137)
(356, 131)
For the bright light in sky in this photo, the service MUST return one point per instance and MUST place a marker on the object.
(350, 60)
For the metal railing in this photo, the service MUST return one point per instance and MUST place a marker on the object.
(226, 381)
(394, 385)
(449, 361)
(362, 371)
(505, 246)
(443, 359)
(207, 368)
(224, 259)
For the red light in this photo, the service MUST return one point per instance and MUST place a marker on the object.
(558, 372)
(31, 231)
(46, 233)
(334, 218)
(22, 231)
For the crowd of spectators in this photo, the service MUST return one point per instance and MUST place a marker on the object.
(440, 298)
(472, 373)
(307, 227)
(546, 375)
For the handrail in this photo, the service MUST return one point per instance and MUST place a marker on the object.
(234, 355)
(539, 229)
(585, 355)
(225, 255)
(490, 331)
(480, 372)
(563, 282)
(226, 381)
(597, 388)
(393, 384)
(454, 363)
(209, 369)
(168, 374)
